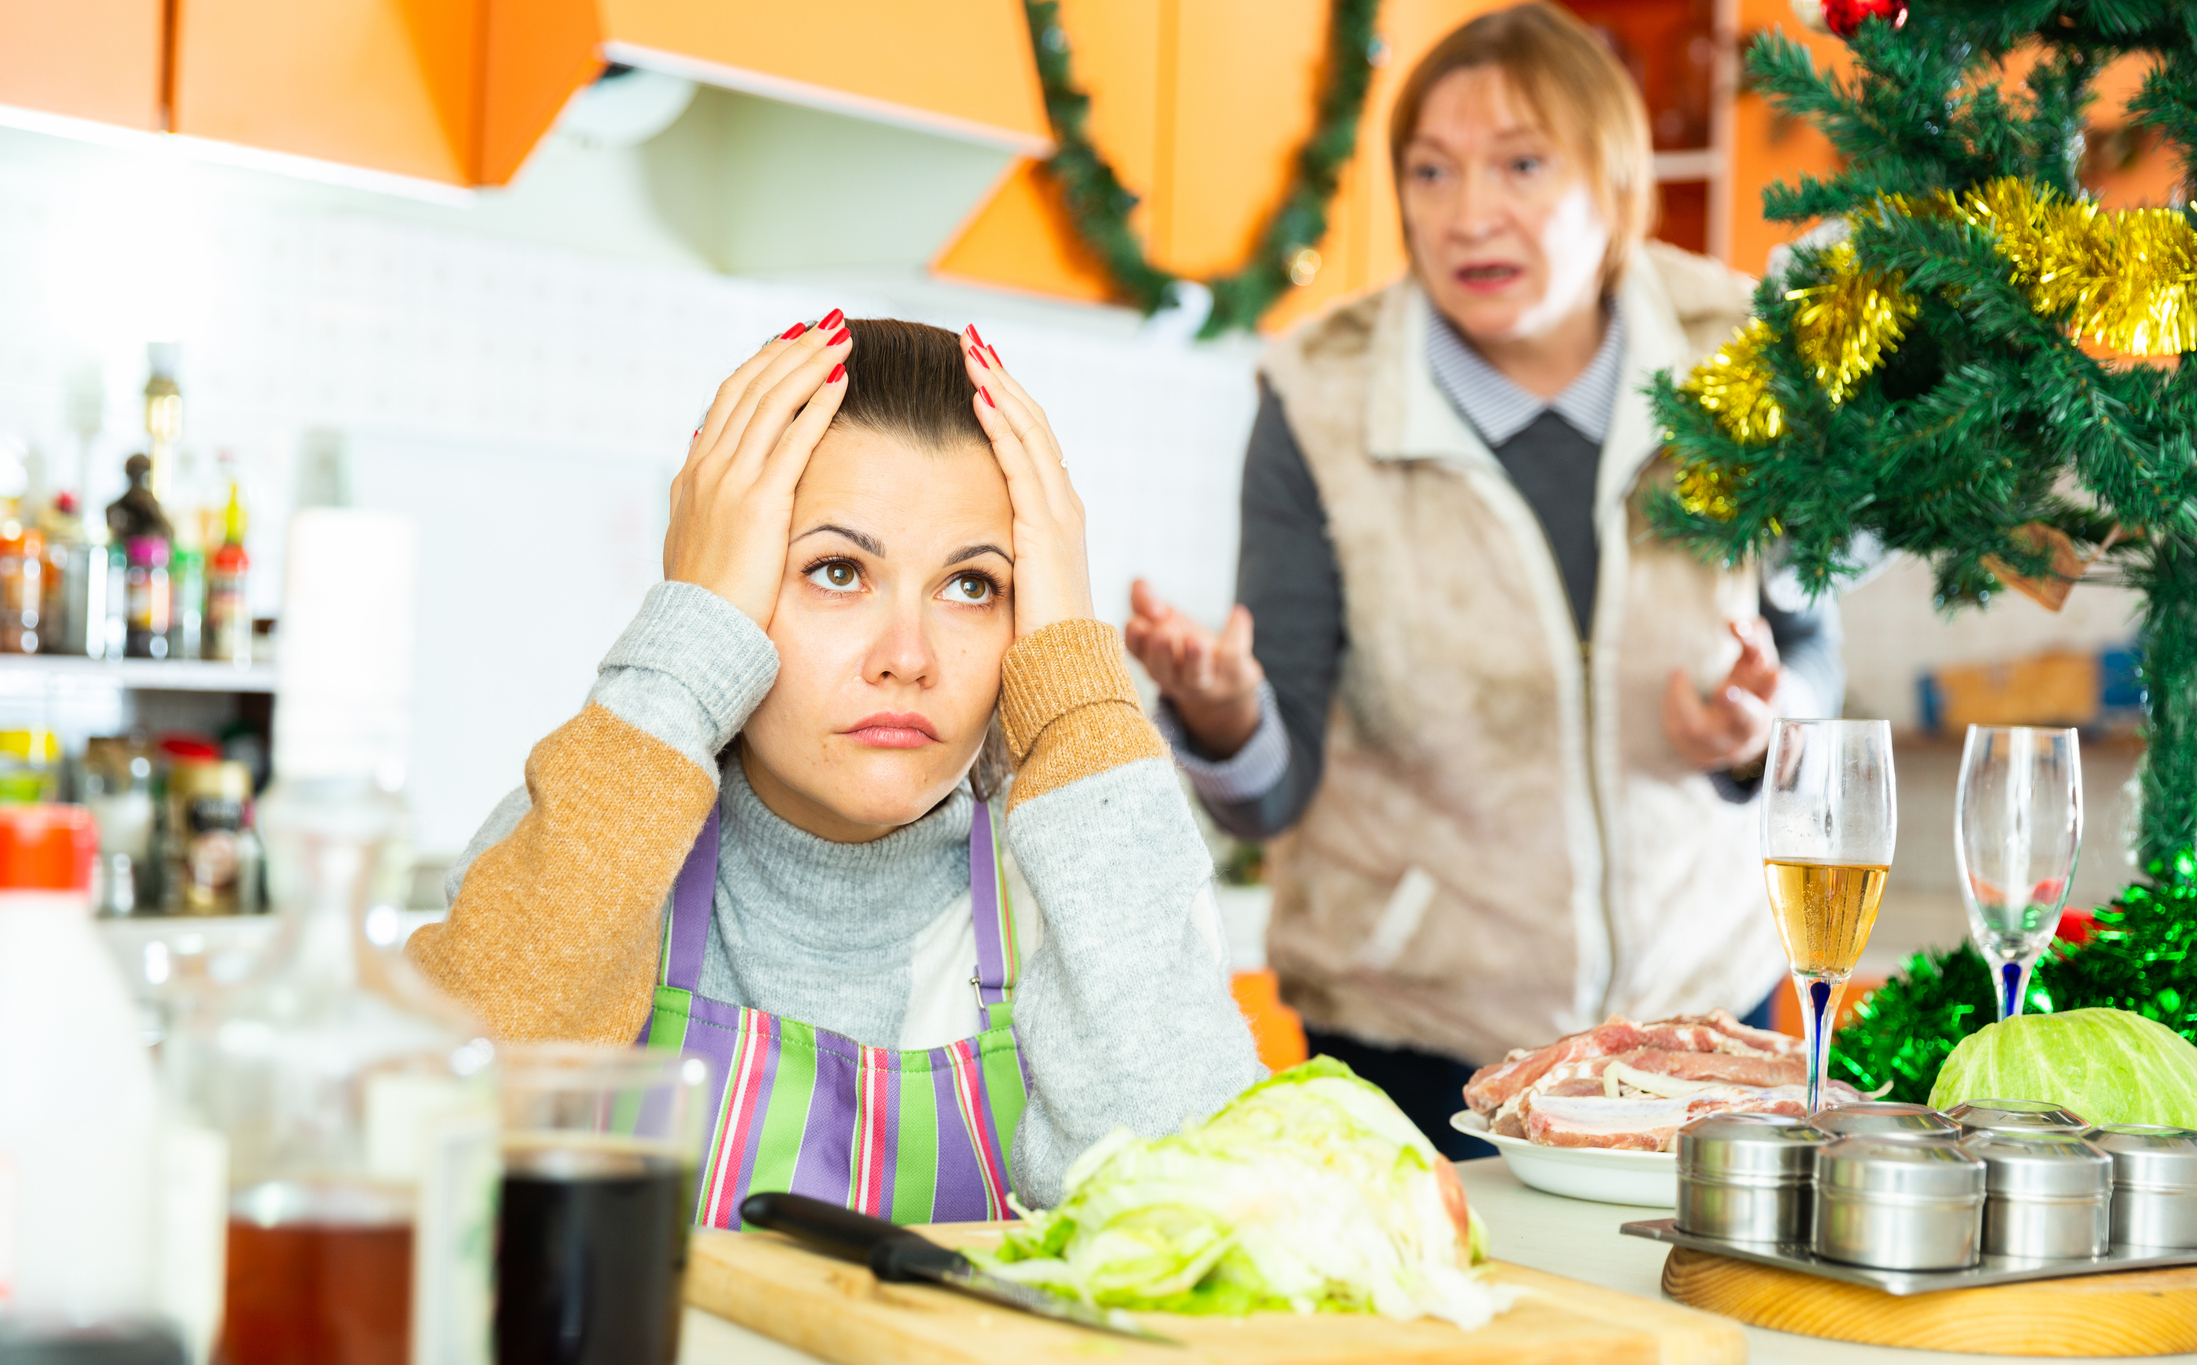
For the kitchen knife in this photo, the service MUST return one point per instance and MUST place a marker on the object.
(898, 1255)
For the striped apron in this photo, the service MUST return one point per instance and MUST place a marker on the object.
(916, 1137)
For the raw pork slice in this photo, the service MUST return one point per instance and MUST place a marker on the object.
(1642, 1123)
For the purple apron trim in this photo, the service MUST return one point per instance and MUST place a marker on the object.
(991, 953)
(692, 898)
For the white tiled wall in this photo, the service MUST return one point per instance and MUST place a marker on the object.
(526, 403)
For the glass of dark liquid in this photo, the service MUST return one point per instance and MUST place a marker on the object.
(600, 1147)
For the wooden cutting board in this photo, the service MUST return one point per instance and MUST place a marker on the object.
(2134, 1313)
(839, 1311)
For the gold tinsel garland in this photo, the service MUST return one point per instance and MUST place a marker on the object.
(2127, 278)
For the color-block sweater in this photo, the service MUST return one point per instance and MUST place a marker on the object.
(1122, 1012)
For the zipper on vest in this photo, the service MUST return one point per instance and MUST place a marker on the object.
(1601, 826)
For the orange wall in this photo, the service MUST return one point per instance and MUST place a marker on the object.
(92, 59)
(1768, 147)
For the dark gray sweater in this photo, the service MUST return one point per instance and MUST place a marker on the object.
(1287, 575)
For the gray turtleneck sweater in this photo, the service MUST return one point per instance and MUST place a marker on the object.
(1122, 1012)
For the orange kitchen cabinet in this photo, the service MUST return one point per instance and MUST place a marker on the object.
(1201, 108)
(89, 59)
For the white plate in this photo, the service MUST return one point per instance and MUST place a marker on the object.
(1604, 1174)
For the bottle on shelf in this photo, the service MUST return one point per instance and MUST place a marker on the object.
(163, 412)
(118, 787)
(79, 1114)
(228, 596)
(357, 1102)
(147, 610)
(74, 591)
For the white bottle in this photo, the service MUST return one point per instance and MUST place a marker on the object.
(78, 1108)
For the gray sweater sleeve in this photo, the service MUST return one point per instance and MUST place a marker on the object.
(1123, 1012)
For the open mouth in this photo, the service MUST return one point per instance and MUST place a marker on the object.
(1488, 276)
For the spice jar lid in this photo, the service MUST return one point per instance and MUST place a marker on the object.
(1901, 1167)
(1884, 1116)
(2148, 1156)
(2033, 1165)
(1759, 1146)
(2016, 1116)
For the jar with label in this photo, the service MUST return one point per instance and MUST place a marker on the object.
(22, 596)
(146, 609)
(118, 789)
(30, 767)
(210, 863)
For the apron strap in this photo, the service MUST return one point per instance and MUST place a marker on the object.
(992, 913)
(693, 898)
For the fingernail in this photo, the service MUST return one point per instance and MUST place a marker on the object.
(978, 356)
(840, 337)
(838, 373)
(791, 332)
(832, 319)
(974, 336)
(987, 396)
(995, 356)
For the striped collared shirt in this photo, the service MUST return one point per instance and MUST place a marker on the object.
(1499, 409)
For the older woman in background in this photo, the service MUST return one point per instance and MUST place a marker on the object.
(1512, 737)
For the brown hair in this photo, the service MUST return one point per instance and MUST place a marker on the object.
(907, 379)
(1574, 85)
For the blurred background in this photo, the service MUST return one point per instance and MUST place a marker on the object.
(482, 262)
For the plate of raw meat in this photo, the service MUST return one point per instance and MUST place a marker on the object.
(1596, 1115)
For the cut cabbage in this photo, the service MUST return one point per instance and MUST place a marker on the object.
(2110, 1066)
(1309, 1192)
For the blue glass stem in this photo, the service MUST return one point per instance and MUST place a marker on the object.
(2014, 985)
(1819, 997)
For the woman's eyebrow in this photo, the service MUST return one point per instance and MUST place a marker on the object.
(867, 542)
(972, 551)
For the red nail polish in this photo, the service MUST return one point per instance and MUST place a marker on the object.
(978, 356)
(974, 335)
(838, 373)
(987, 396)
(995, 357)
(791, 332)
(832, 319)
(840, 337)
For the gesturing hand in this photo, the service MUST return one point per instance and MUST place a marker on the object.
(1052, 572)
(1213, 680)
(1732, 728)
(732, 503)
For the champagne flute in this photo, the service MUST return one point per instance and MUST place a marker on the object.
(1829, 816)
(2018, 820)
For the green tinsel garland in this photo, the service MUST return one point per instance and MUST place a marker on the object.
(1100, 204)
(1974, 431)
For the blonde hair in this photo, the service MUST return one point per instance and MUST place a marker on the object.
(1570, 80)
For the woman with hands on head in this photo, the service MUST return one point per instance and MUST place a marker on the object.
(773, 835)
(1513, 738)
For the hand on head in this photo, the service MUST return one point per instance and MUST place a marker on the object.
(1213, 680)
(1052, 571)
(732, 503)
(1732, 727)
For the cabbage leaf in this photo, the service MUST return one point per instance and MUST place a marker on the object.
(2110, 1066)
(1309, 1192)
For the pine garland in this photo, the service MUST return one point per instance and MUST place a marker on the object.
(1956, 414)
(1287, 252)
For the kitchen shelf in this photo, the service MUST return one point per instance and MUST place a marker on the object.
(146, 675)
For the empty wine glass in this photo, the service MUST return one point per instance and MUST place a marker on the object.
(2018, 824)
(1829, 818)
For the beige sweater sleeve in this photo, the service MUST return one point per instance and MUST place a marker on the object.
(1070, 709)
(554, 933)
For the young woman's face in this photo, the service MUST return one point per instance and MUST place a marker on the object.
(894, 616)
(1503, 228)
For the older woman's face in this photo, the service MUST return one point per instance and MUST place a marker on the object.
(894, 616)
(1504, 230)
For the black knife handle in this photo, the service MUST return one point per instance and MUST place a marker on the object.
(892, 1253)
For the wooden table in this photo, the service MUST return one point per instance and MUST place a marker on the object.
(1565, 1236)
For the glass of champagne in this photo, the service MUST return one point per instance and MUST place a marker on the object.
(2018, 818)
(1829, 815)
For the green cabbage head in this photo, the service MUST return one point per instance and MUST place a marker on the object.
(1310, 1192)
(2110, 1066)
